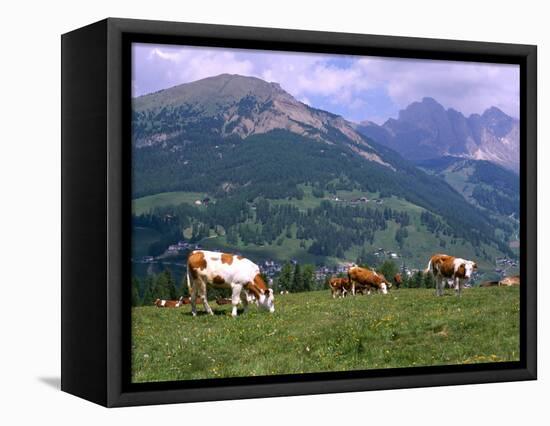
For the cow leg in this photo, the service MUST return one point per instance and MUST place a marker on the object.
(236, 298)
(207, 307)
(458, 286)
(441, 286)
(353, 287)
(244, 299)
(193, 298)
(438, 283)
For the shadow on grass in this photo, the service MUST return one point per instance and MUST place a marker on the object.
(201, 313)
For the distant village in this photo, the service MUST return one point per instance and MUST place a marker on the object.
(272, 268)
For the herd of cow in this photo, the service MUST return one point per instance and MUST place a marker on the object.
(242, 276)
(442, 266)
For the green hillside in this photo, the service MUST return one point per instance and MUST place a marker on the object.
(284, 181)
(487, 186)
(145, 204)
(311, 332)
(287, 245)
(274, 165)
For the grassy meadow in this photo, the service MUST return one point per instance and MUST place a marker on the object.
(311, 332)
(145, 204)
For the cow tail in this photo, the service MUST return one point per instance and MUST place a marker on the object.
(188, 278)
(429, 268)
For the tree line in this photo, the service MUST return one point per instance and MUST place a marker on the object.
(155, 286)
(326, 230)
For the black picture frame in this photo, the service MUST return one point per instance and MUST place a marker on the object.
(96, 234)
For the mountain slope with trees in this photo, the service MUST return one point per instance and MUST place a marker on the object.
(252, 149)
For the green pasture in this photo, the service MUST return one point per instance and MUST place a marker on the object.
(311, 332)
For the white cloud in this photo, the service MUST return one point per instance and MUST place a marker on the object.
(465, 86)
(345, 82)
(166, 66)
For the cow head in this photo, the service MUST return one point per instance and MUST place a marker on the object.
(469, 268)
(385, 286)
(267, 301)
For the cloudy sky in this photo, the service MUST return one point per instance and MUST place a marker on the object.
(356, 87)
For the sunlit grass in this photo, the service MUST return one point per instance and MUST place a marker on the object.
(311, 332)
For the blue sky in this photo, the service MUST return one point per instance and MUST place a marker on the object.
(356, 87)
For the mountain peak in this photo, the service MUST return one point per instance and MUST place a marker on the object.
(426, 130)
(421, 110)
(495, 113)
(498, 122)
(210, 93)
(427, 100)
(236, 105)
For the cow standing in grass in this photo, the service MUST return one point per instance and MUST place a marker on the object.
(445, 267)
(223, 270)
(398, 280)
(338, 286)
(366, 279)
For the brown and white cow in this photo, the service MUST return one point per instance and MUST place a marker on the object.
(223, 270)
(162, 303)
(364, 278)
(509, 281)
(398, 280)
(339, 286)
(445, 267)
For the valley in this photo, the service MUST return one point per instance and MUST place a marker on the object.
(237, 164)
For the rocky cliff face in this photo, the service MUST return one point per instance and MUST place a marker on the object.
(426, 130)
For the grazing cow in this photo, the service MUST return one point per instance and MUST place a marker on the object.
(161, 303)
(223, 270)
(509, 281)
(398, 280)
(366, 279)
(447, 267)
(339, 286)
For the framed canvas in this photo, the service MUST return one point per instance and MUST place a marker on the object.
(255, 212)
